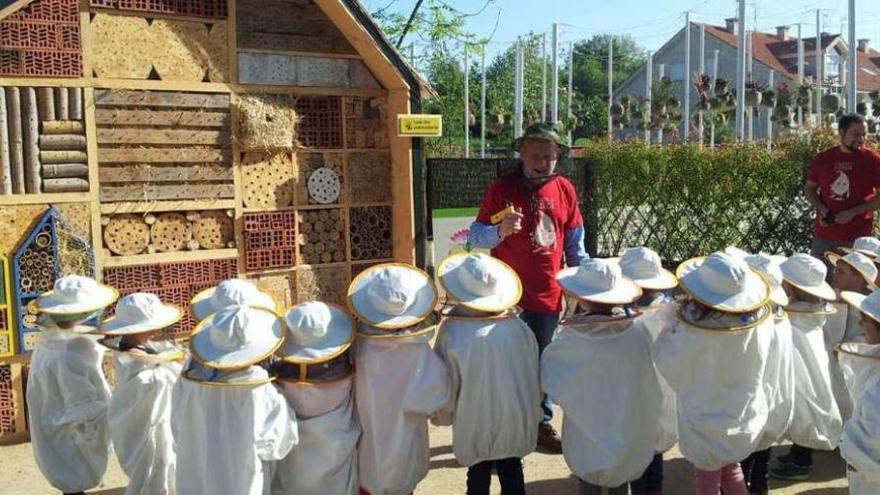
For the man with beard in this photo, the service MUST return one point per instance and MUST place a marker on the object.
(530, 220)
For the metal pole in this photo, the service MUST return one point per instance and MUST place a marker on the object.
(770, 81)
(750, 77)
(685, 115)
(800, 75)
(554, 78)
(852, 82)
(740, 70)
(648, 75)
(610, 85)
(543, 77)
(518, 91)
(702, 71)
(661, 72)
(714, 78)
(568, 113)
(483, 106)
(818, 68)
(412, 54)
(467, 105)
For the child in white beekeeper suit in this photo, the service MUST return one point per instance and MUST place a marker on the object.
(714, 359)
(816, 423)
(860, 444)
(316, 376)
(599, 371)
(854, 272)
(140, 408)
(231, 292)
(400, 381)
(644, 267)
(230, 423)
(67, 393)
(492, 358)
(779, 376)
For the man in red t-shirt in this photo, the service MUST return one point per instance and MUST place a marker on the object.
(543, 229)
(842, 186)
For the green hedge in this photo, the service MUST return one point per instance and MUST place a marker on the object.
(684, 200)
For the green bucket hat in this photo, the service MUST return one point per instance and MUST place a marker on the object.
(540, 130)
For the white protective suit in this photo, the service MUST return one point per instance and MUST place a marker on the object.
(140, 418)
(599, 371)
(840, 327)
(229, 437)
(400, 382)
(860, 445)
(779, 382)
(494, 408)
(325, 460)
(67, 398)
(816, 422)
(656, 317)
(718, 379)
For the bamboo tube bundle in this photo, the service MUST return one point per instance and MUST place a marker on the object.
(62, 104)
(371, 233)
(322, 238)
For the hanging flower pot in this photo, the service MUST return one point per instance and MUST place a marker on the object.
(625, 100)
(768, 98)
(673, 103)
(704, 106)
(617, 109)
(496, 119)
(862, 109)
(874, 95)
(753, 98)
(831, 102)
(722, 87)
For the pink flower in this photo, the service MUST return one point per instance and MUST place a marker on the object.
(462, 238)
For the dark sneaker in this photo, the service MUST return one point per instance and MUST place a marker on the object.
(548, 439)
(787, 470)
(761, 489)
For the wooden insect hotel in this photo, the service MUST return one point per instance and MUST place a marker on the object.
(166, 145)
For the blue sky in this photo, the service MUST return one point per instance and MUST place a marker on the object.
(651, 22)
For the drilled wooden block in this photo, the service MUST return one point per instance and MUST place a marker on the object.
(30, 340)
(371, 233)
(326, 284)
(366, 122)
(126, 235)
(170, 232)
(268, 179)
(213, 230)
(322, 236)
(369, 177)
(307, 164)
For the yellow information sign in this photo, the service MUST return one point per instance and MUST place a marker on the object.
(419, 125)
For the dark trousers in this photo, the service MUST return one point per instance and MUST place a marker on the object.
(652, 478)
(755, 469)
(543, 325)
(510, 475)
(802, 456)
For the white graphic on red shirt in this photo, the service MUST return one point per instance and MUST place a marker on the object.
(544, 235)
(840, 187)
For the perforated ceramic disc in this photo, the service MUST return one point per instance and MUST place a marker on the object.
(324, 186)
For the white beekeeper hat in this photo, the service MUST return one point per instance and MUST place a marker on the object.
(600, 281)
(480, 282)
(808, 274)
(860, 262)
(768, 266)
(140, 313)
(237, 337)
(643, 266)
(869, 246)
(230, 292)
(75, 296)
(391, 296)
(867, 304)
(724, 282)
(316, 332)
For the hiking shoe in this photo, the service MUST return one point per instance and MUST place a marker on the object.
(548, 439)
(787, 470)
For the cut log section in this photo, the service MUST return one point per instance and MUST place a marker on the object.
(126, 235)
(170, 232)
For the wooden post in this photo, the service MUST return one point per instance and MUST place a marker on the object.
(16, 151)
(31, 134)
(5, 172)
(75, 102)
(46, 104)
(62, 105)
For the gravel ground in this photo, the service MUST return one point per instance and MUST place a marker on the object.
(545, 474)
